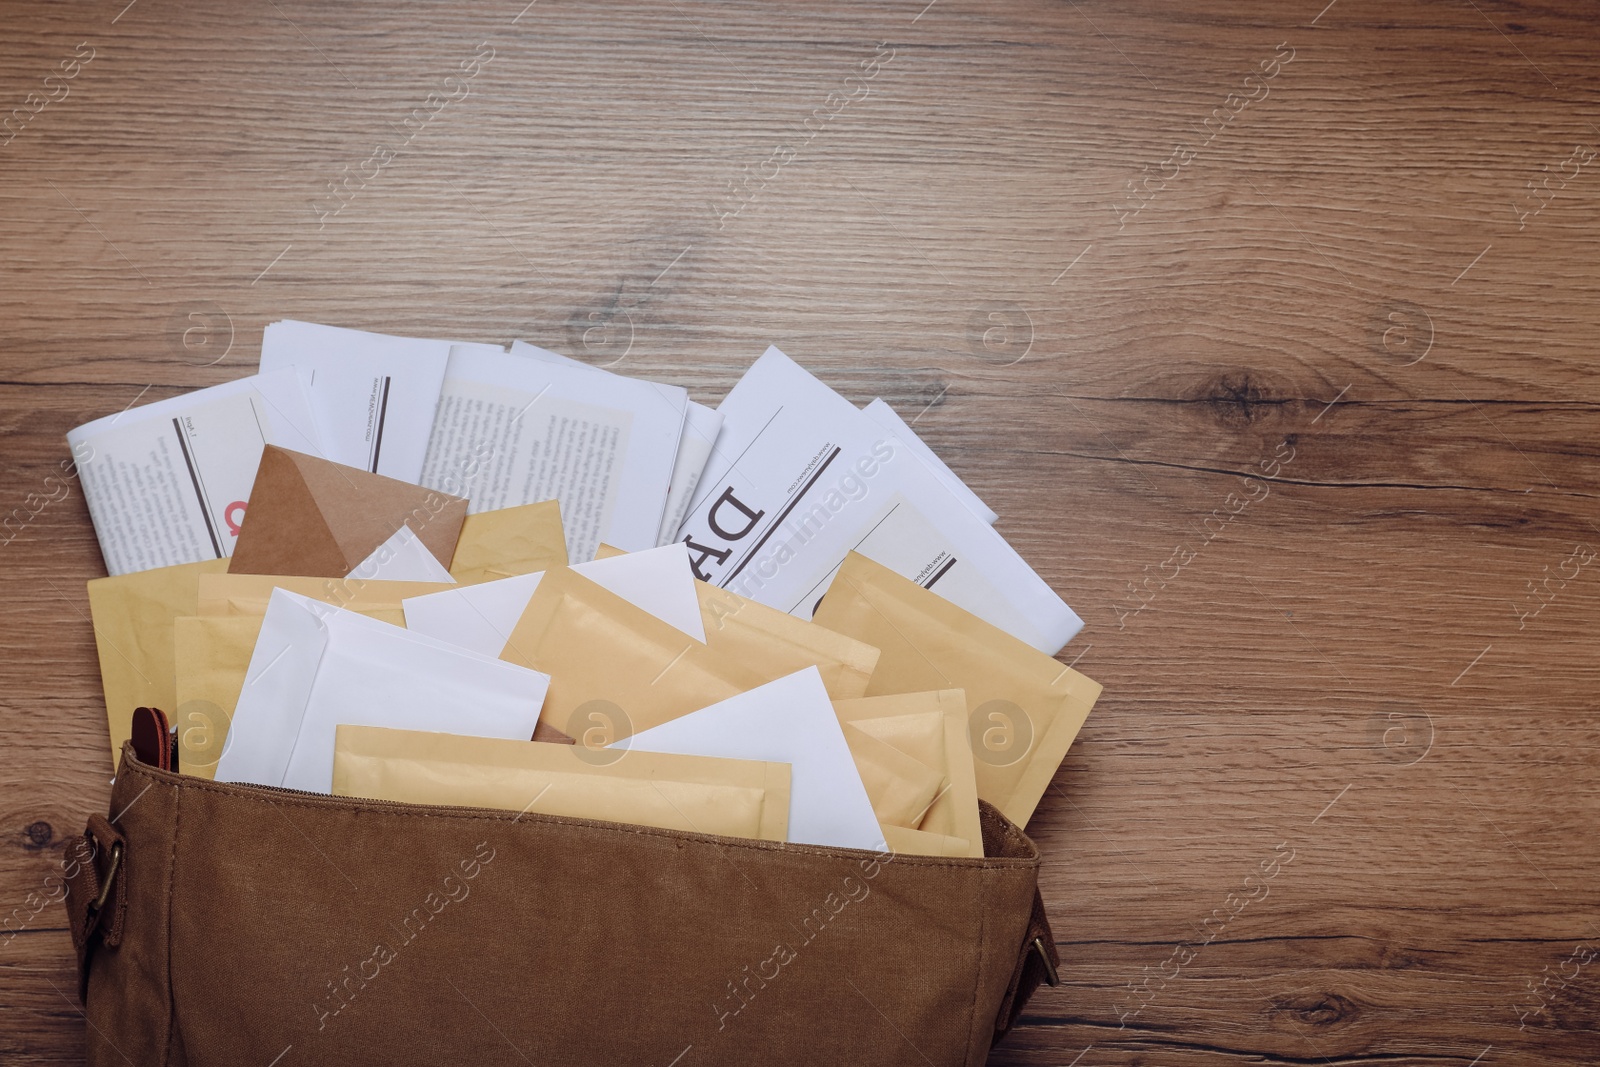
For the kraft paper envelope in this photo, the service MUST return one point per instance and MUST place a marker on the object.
(211, 655)
(1023, 707)
(481, 617)
(249, 594)
(615, 668)
(923, 843)
(698, 794)
(931, 728)
(901, 788)
(402, 558)
(786, 721)
(746, 629)
(315, 667)
(309, 516)
(132, 616)
(510, 541)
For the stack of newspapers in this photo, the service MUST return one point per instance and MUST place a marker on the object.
(458, 573)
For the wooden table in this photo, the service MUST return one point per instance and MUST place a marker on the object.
(1267, 328)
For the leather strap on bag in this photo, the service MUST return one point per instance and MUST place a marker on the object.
(153, 740)
(97, 892)
(1036, 964)
(97, 887)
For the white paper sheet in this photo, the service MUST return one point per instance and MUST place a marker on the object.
(167, 483)
(481, 617)
(657, 580)
(402, 558)
(373, 395)
(511, 430)
(799, 478)
(700, 430)
(477, 346)
(786, 721)
(881, 413)
(316, 666)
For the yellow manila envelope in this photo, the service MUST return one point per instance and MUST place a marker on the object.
(509, 541)
(753, 632)
(930, 727)
(1023, 707)
(132, 616)
(211, 656)
(922, 843)
(247, 594)
(749, 631)
(697, 794)
(901, 788)
(615, 669)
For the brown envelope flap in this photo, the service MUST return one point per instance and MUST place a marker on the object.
(313, 517)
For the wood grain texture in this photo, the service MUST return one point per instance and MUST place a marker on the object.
(1382, 265)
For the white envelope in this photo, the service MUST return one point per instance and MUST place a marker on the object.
(373, 396)
(481, 617)
(316, 667)
(478, 617)
(786, 721)
(402, 558)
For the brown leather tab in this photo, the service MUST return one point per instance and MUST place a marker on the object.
(152, 738)
(1036, 964)
(97, 896)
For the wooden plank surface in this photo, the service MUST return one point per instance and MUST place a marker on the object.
(1351, 322)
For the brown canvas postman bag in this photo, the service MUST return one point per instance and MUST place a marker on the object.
(233, 924)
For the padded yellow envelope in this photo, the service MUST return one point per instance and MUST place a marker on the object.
(211, 656)
(931, 728)
(1023, 707)
(247, 594)
(751, 632)
(699, 794)
(922, 843)
(615, 669)
(901, 788)
(508, 542)
(132, 616)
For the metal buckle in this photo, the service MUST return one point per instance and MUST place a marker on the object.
(105, 889)
(1050, 976)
